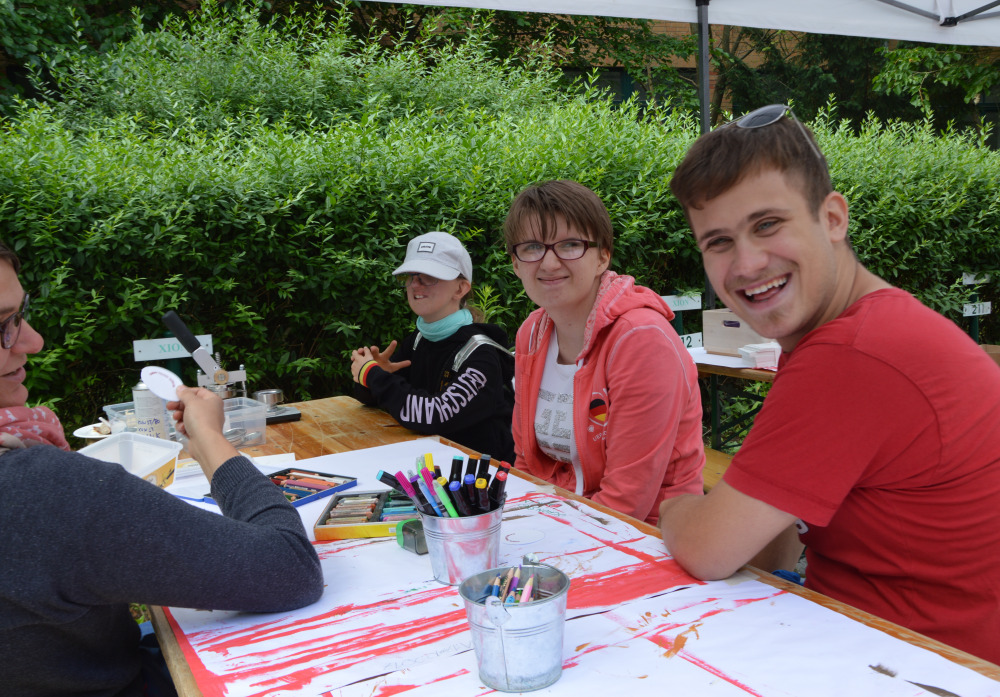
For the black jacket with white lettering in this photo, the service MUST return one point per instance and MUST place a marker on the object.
(471, 405)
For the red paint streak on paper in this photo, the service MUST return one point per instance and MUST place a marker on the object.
(222, 643)
(718, 673)
(292, 670)
(208, 682)
(626, 583)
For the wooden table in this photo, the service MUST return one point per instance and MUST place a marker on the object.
(714, 368)
(340, 424)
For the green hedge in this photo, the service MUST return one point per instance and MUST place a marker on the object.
(277, 232)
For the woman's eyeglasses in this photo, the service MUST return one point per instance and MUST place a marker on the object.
(10, 328)
(771, 114)
(567, 250)
(407, 279)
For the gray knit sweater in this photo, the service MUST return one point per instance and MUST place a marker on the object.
(80, 539)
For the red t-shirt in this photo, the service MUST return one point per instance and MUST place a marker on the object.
(882, 434)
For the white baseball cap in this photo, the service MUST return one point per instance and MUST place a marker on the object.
(437, 254)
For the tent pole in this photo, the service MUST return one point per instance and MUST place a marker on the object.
(704, 99)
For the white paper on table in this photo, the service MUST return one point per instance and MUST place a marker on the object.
(636, 623)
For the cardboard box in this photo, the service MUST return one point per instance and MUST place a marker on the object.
(153, 459)
(993, 351)
(368, 514)
(723, 333)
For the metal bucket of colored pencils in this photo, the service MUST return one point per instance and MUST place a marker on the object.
(461, 547)
(518, 637)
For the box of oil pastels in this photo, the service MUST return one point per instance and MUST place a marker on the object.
(302, 486)
(364, 514)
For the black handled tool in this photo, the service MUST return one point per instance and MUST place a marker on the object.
(202, 357)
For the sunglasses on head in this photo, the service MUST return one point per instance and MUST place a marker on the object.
(770, 114)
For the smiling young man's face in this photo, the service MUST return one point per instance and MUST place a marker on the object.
(770, 260)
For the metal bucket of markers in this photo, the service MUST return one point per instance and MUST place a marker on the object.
(519, 646)
(461, 547)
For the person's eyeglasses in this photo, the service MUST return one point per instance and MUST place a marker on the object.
(406, 279)
(567, 250)
(771, 114)
(10, 328)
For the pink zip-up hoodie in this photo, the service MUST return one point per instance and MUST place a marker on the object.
(636, 403)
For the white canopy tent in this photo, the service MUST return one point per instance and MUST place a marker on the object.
(967, 22)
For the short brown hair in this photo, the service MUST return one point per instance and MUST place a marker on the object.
(7, 254)
(580, 207)
(719, 160)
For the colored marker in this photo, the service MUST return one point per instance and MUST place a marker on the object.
(429, 464)
(456, 469)
(482, 497)
(458, 498)
(390, 481)
(528, 587)
(470, 467)
(484, 467)
(469, 490)
(412, 478)
(429, 495)
(496, 490)
(411, 492)
(445, 500)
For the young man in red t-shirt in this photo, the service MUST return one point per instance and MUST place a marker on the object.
(878, 444)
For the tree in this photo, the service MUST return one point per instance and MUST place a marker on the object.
(922, 73)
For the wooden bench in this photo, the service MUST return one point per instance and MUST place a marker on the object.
(716, 463)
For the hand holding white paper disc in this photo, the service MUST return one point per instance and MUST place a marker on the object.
(161, 382)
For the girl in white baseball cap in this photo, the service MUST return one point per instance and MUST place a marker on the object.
(452, 376)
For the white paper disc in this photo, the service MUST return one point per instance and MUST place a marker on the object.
(161, 382)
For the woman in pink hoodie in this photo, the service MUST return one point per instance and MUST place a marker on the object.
(606, 396)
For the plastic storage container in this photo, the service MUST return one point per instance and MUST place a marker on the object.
(153, 459)
(245, 421)
(121, 416)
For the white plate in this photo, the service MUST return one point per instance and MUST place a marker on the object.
(89, 432)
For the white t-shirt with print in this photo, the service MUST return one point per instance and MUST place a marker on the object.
(554, 412)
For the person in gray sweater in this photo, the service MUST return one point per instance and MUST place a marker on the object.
(80, 539)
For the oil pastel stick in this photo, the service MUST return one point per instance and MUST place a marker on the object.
(313, 475)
